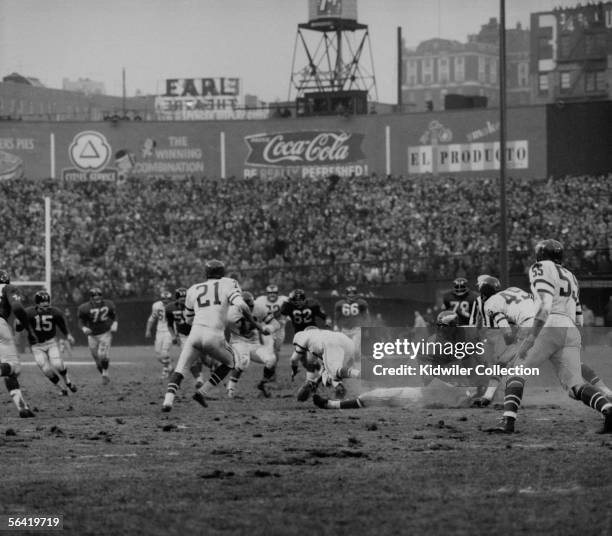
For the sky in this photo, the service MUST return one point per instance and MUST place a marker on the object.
(254, 40)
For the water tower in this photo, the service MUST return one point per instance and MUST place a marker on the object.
(329, 73)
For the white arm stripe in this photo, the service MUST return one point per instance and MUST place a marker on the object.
(536, 281)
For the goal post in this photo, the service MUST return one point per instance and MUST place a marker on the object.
(46, 284)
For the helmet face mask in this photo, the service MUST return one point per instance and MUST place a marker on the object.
(165, 296)
(446, 323)
(549, 250)
(180, 294)
(5, 278)
(460, 286)
(297, 297)
(214, 269)
(95, 295)
(351, 292)
(272, 293)
(42, 299)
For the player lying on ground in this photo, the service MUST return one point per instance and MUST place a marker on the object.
(46, 320)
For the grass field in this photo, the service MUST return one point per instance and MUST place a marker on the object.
(110, 462)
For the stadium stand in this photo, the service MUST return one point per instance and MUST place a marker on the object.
(132, 237)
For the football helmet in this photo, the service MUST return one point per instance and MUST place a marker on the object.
(249, 299)
(549, 250)
(272, 292)
(297, 297)
(351, 292)
(42, 299)
(180, 294)
(488, 285)
(460, 286)
(165, 296)
(95, 295)
(214, 269)
(5, 278)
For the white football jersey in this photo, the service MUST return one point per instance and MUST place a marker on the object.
(158, 313)
(552, 278)
(317, 341)
(267, 308)
(207, 303)
(510, 306)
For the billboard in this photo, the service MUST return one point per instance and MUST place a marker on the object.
(204, 99)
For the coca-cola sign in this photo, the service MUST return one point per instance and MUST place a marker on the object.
(306, 152)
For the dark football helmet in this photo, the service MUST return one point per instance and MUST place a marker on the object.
(214, 269)
(549, 250)
(460, 286)
(180, 294)
(95, 295)
(297, 297)
(165, 296)
(351, 292)
(249, 299)
(42, 299)
(488, 285)
(5, 278)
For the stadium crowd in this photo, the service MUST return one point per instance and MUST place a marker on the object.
(137, 235)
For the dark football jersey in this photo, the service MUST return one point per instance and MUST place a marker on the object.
(351, 313)
(45, 322)
(98, 317)
(463, 305)
(7, 290)
(176, 318)
(304, 315)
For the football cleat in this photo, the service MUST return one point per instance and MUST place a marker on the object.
(607, 427)
(63, 392)
(505, 426)
(72, 387)
(105, 380)
(264, 390)
(199, 398)
(306, 390)
(320, 401)
(480, 402)
(166, 408)
(26, 413)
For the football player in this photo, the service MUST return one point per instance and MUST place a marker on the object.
(250, 345)
(554, 336)
(303, 311)
(206, 308)
(462, 301)
(10, 367)
(512, 311)
(350, 314)
(335, 353)
(271, 302)
(98, 321)
(46, 320)
(163, 337)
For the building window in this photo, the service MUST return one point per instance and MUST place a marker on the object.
(564, 47)
(543, 83)
(481, 68)
(459, 69)
(523, 74)
(412, 81)
(493, 71)
(594, 81)
(566, 81)
(427, 79)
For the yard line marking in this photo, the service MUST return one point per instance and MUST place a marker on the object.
(79, 363)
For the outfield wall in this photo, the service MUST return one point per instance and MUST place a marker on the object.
(454, 142)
